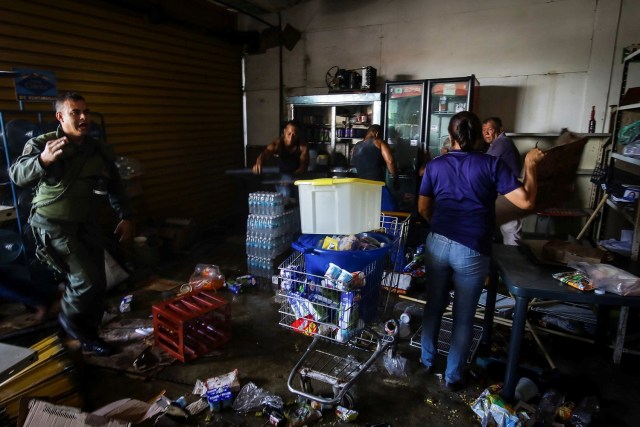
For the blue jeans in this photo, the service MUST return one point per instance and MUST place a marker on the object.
(446, 262)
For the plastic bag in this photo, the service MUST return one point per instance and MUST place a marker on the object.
(395, 364)
(252, 398)
(611, 279)
(206, 276)
(629, 133)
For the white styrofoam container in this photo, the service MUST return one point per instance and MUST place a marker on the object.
(339, 205)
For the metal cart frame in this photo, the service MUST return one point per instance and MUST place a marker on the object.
(343, 347)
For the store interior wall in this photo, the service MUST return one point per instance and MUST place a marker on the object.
(541, 65)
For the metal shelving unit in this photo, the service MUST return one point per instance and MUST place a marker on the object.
(627, 166)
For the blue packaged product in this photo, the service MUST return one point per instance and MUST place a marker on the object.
(321, 299)
(299, 309)
(219, 398)
(330, 283)
(347, 313)
(344, 280)
(342, 335)
(333, 272)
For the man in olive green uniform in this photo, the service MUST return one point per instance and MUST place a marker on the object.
(71, 170)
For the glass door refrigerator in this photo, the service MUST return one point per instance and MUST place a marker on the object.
(417, 114)
(404, 132)
(447, 97)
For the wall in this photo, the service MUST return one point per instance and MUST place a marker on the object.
(170, 94)
(541, 64)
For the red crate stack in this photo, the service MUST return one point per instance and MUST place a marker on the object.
(191, 325)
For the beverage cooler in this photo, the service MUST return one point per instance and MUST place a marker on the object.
(333, 123)
(417, 115)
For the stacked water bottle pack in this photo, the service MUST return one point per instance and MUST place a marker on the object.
(270, 231)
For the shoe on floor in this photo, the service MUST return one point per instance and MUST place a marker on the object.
(98, 347)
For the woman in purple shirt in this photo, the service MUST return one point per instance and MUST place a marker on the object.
(457, 197)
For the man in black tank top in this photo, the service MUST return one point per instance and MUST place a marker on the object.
(371, 158)
(292, 153)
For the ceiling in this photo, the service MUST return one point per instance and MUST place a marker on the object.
(257, 7)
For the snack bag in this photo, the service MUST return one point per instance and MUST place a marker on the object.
(575, 279)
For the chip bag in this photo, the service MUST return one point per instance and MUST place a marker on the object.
(575, 279)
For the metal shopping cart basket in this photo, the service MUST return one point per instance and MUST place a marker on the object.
(395, 224)
(336, 315)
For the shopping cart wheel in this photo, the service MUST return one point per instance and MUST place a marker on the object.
(347, 401)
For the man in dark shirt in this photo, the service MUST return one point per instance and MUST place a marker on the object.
(292, 153)
(501, 146)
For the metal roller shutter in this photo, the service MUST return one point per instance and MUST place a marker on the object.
(170, 95)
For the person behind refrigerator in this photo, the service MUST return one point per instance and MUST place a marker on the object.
(501, 146)
(292, 153)
(457, 196)
(372, 157)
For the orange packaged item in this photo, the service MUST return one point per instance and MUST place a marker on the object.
(207, 276)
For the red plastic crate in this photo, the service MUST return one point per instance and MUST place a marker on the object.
(191, 325)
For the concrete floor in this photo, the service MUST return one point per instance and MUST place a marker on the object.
(264, 353)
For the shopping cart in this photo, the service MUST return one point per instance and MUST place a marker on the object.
(395, 224)
(343, 346)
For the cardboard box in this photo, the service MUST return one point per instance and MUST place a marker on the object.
(563, 252)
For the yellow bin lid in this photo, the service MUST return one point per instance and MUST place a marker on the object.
(336, 181)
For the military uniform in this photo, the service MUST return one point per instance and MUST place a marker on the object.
(64, 218)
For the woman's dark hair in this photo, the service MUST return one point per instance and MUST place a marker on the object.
(466, 129)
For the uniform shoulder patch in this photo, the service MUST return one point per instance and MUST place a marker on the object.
(28, 149)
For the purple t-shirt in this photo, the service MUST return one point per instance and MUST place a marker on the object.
(464, 187)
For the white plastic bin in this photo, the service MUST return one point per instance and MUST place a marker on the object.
(339, 205)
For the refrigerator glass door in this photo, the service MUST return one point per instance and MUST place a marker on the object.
(446, 98)
(404, 123)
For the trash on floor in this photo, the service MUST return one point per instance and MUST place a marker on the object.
(240, 284)
(493, 410)
(347, 415)
(252, 398)
(206, 276)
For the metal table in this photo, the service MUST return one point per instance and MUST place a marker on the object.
(525, 280)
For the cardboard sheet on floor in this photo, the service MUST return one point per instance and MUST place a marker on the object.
(160, 285)
(132, 338)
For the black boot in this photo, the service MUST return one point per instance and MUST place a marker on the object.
(97, 346)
